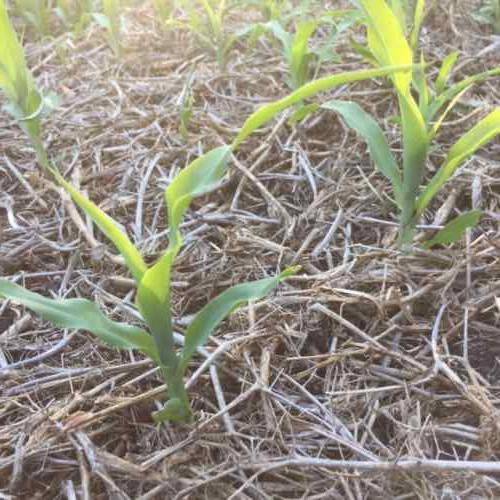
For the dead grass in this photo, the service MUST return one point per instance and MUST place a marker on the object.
(349, 383)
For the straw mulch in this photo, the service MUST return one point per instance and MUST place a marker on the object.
(372, 374)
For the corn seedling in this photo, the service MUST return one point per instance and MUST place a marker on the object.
(153, 287)
(75, 15)
(271, 10)
(420, 122)
(489, 13)
(303, 60)
(186, 107)
(110, 19)
(296, 50)
(206, 20)
(36, 13)
(387, 44)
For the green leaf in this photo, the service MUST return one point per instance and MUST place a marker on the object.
(360, 121)
(454, 90)
(202, 176)
(418, 19)
(445, 71)
(454, 230)
(302, 112)
(205, 322)
(282, 35)
(300, 55)
(439, 122)
(81, 314)
(108, 226)
(485, 131)
(153, 296)
(267, 112)
(153, 300)
(399, 9)
(13, 69)
(420, 83)
(174, 410)
(364, 52)
(386, 40)
(16, 79)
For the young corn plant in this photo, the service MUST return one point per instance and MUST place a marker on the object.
(153, 282)
(489, 13)
(185, 104)
(302, 59)
(206, 20)
(420, 120)
(74, 15)
(272, 10)
(153, 287)
(164, 9)
(297, 53)
(36, 13)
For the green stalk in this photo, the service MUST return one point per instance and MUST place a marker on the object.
(415, 150)
(177, 408)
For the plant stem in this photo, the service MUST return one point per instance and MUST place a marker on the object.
(407, 223)
(177, 408)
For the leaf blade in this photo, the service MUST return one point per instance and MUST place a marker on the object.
(387, 41)
(454, 230)
(200, 177)
(364, 124)
(80, 314)
(267, 112)
(108, 226)
(154, 294)
(209, 317)
(482, 133)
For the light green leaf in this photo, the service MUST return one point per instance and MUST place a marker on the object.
(205, 322)
(456, 89)
(13, 69)
(299, 55)
(399, 8)
(16, 80)
(386, 40)
(445, 71)
(81, 314)
(485, 131)
(202, 176)
(282, 35)
(364, 52)
(175, 410)
(153, 296)
(418, 19)
(302, 112)
(435, 128)
(109, 227)
(363, 123)
(269, 111)
(420, 83)
(454, 230)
